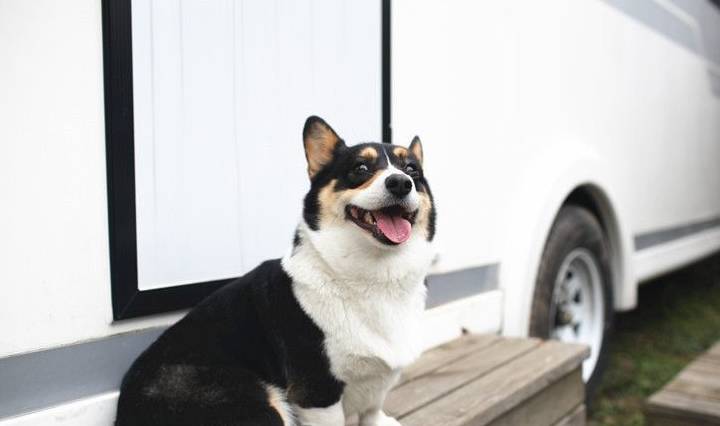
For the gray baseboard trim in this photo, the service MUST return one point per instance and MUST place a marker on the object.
(445, 288)
(37, 380)
(666, 235)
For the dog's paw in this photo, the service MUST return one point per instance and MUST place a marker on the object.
(378, 419)
(387, 421)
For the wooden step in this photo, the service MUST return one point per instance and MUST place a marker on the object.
(692, 397)
(489, 380)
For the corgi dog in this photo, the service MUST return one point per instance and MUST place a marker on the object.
(321, 334)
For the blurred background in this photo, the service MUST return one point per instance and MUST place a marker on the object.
(572, 147)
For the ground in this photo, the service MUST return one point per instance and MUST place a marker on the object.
(677, 318)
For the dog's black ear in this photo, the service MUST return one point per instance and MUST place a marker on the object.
(320, 142)
(416, 148)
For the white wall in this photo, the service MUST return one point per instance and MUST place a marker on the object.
(54, 273)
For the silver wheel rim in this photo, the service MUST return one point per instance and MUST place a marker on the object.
(577, 313)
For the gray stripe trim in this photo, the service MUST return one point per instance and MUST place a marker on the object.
(444, 288)
(653, 238)
(38, 380)
(659, 19)
(42, 379)
(706, 44)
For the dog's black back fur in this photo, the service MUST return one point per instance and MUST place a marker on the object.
(212, 367)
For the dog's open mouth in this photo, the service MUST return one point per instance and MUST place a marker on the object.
(389, 225)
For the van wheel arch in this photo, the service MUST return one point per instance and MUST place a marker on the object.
(595, 200)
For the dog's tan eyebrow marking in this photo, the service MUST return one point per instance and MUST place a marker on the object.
(369, 153)
(400, 152)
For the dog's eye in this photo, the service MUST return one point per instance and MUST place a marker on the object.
(411, 169)
(361, 168)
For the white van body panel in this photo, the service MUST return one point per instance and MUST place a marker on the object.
(531, 100)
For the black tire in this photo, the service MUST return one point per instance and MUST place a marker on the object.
(574, 228)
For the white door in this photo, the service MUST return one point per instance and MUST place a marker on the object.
(221, 91)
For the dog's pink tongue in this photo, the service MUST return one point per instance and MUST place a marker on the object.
(395, 228)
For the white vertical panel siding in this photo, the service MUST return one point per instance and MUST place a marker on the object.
(54, 269)
(221, 92)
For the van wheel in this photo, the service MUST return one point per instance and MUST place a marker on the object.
(573, 293)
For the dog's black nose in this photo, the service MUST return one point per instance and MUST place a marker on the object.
(398, 184)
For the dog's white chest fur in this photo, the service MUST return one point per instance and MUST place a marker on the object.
(368, 340)
(365, 335)
(370, 314)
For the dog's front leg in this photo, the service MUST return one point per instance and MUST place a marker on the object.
(332, 415)
(375, 416)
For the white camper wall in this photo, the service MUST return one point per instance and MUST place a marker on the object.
(54, 273)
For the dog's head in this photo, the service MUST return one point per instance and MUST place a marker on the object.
(369, 194)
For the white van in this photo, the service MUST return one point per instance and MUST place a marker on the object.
(572, 147)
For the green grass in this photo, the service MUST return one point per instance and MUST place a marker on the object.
(677, 318)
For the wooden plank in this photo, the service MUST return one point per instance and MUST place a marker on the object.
(697, 382)
(678, 405)
(439, 382)
(549, 406)
(711, 362)
(703, 367)
(715, 349)
(692, 397)
(577, 417)
(482, 401)
(712, 383)
(447, 353)
(711, 359)
(668, 420)
(695, 389)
